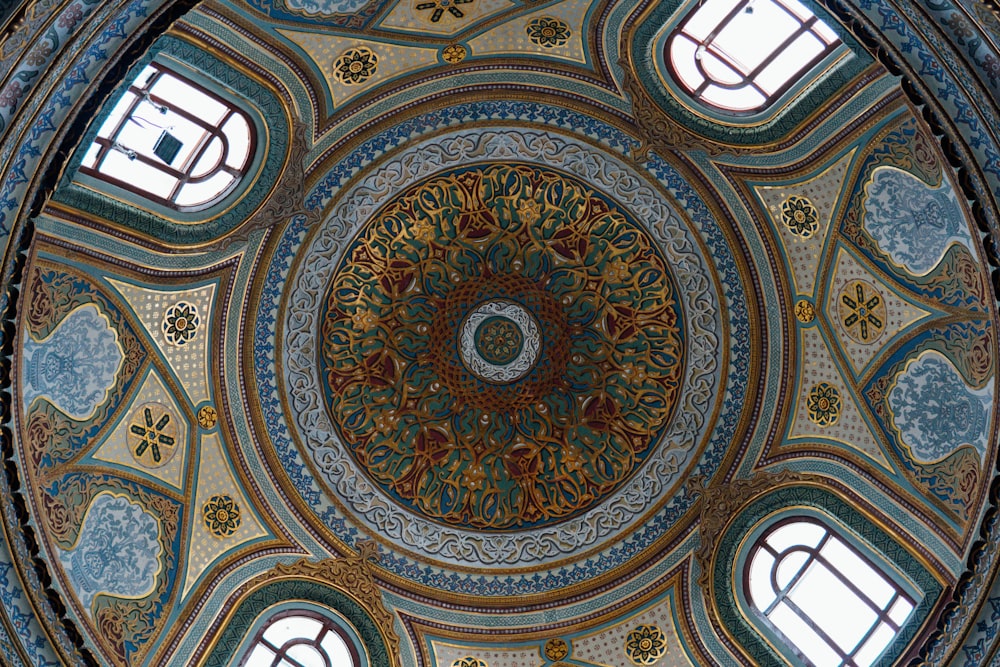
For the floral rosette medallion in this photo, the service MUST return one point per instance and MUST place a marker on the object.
(501, 347)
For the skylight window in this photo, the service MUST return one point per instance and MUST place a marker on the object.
(172, 141)
(741, 55)
(831, 604)
(299, 638)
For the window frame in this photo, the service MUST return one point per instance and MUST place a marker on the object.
(141, 90)
(722, 560)
(782, 594)
(800, 78)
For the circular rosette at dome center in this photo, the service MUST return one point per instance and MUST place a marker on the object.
(501, 347)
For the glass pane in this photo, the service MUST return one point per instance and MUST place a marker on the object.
(682, 58)
(803, 637)
(824, 598)
(336, 649)
(761, 593)
(123, 105)
(307, 656)
(738, 99)
(707, 18)
(237, 131)
(825, 32)
(900, 611)
(790, 566)
(182, 96)
(720, 71)
(796, 534)
(741, 38)
(90, 159)
(209, 160)
(261, 656)
(136, 173)
(787, 64)
(798, 9)
(292, 627)
(193, 194)
(875, 645)
(861, 574)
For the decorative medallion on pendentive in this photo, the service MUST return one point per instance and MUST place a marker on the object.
(548, 32)
(645, 644)
(180, 323)
(862, 311)
(207, 417)
(556, 649)
(355, 66)
(805, 312)
(221, 515)
(800, 216)
(454, 53)
(516, 359)
(152, 434)
(823, 404)
(469, 661)
(435, 10)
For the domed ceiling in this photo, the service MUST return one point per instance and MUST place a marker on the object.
(502, 349)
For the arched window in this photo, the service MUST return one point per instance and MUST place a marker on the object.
(830, 603)
(172, 141)
(742, 55)
(300, 638)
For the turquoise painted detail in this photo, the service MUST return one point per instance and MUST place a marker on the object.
(911, 221)
(118, 552)
(270, 126)
(76, 366)
(935, 412)
(774, 506)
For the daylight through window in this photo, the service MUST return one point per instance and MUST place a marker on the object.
(172, 141)
(300, 638)
(830, 603)
(741, 55)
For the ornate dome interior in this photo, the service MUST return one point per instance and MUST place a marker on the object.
(499, 333)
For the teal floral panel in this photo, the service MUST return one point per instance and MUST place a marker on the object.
(118, 552)
(935, 412)
(912, 222)
(325, 7)
(75, 367)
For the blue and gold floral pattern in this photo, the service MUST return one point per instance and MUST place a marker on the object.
(645, 644)
(355, 66)
(221, 515)
(180, 323)
(800, 216)
(548, 32)
(823, 404)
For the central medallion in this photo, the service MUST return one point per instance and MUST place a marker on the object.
(499, 341)
(502, 347)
